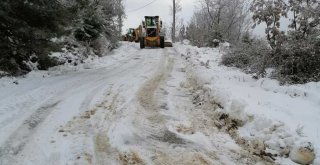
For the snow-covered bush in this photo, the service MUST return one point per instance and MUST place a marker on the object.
(98, 26)
(252, 57)
(299, 59)
(295, 54)
(296, 61)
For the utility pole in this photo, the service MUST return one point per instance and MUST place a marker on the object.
(173, 33)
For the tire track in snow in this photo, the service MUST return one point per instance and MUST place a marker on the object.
(178, 144)
(148, 101)
(98, 124)
(104, 152)
(13, 146)
(17, 141)
(23, 134)
(117, 115)
(21, 105)
(166, 145)
(84, 124)
(160, 141)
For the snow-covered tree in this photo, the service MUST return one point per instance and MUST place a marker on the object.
(198, 29)
(294, 54)
(270, 13)
(306, 16)
(27, 27)
(219, 20)
(299, 56)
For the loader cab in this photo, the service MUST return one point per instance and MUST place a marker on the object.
(130, 31)
(130, 36)
(151, 24)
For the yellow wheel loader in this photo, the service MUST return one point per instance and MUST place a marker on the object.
(151, 35)
(130, 36)
(137, 32)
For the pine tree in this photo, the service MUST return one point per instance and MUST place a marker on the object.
(26, 27)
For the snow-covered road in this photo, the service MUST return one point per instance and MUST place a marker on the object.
(133, 107)
(33, 112)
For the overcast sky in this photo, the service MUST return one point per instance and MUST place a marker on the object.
(162, 9)
(159, 7)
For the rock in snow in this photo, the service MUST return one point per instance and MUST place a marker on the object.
(303, 154)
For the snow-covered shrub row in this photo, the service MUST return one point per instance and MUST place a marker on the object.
(294, 54)
(248, 56)
(274, 120)
(27, 29)
(296, 61)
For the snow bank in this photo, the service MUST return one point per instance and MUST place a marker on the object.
(2, 73)
(114, 58)
(284, 117)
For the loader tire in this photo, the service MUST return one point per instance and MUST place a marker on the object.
(161, 42)
(142, 43)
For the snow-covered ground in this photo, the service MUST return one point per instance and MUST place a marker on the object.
(281, 116)
(154, 106)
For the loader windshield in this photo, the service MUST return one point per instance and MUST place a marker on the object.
(130, 31)
(151, 21)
